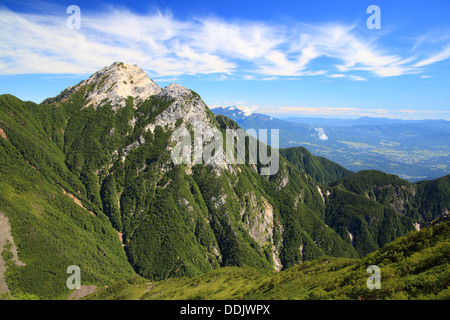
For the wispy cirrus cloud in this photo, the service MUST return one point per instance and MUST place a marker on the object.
(443, 54)
(434, 46)
(166, 46)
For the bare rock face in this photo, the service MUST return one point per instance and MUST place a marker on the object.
(117, 82)
(187, 105)
(114, 84)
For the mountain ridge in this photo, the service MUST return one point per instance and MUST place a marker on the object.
(114, 156)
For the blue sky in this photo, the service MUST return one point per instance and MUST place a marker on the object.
(303, 58)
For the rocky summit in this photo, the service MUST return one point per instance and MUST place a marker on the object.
(115, 83)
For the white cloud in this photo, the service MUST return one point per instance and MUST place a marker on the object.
(247, 110)
(439, 56)
(350, 76)
(244, 40)
(321, 134)
(167, 46)
(357, 78)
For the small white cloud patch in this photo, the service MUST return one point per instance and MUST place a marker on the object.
(247, 110)
(321, 134)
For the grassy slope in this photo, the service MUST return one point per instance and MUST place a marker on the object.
(415, 266)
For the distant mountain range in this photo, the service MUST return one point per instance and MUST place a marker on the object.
(412, 149)
(362, 121)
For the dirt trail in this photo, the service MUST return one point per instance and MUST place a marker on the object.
(76, 200)
(82, 292)
(5, 237)
(2, 134)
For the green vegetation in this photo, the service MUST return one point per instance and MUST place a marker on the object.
(421, 202)
(320, 168)
(415, 266)
(50, 230)
(96, 187)
(365, 224)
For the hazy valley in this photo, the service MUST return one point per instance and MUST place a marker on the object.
(414, 150)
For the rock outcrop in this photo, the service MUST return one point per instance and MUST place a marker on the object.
(114, 84)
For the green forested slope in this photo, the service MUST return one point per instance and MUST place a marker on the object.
(422, 201)
(50, 231)
(320, 168)
(74, 175)
(415, 266)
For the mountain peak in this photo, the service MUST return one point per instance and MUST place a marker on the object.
(117, 82)
(114, 84)
(176, 91)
